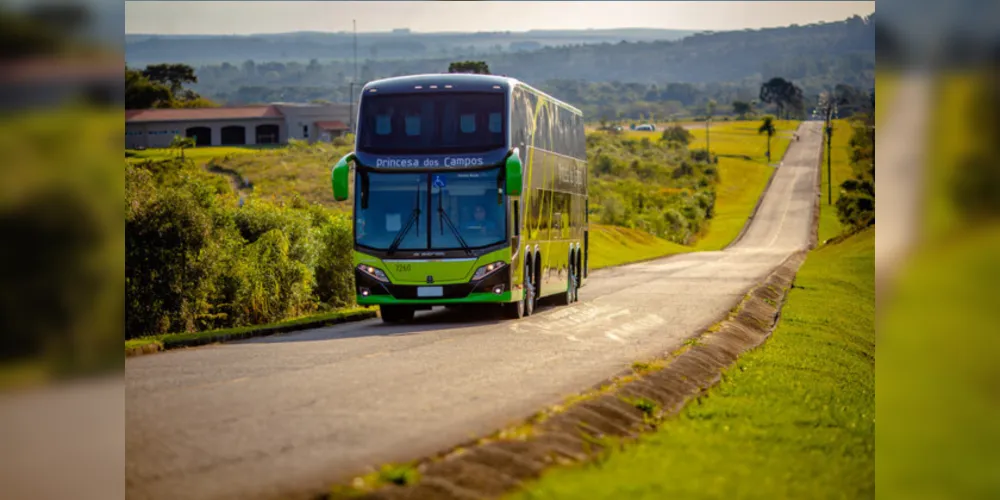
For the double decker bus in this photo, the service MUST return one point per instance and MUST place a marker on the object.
(467, 189)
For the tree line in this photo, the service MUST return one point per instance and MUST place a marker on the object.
(162, 86)
(725, 66)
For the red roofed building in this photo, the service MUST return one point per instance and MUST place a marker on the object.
(233, 126)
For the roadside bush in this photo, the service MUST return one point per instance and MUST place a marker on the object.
(61, 300)
(856, 205)
(678, 135)
(660, 187)
(167, 262)
(195, 260)
(335, 266)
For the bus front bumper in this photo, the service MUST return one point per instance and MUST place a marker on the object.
(494, 288)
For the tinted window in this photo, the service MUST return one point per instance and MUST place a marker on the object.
(432, 123)
(458, 202)
(468, 201)
(392, 202)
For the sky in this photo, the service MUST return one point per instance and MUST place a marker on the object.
(253, 17)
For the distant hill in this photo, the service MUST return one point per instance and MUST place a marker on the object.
(143, 49)
(723, 65)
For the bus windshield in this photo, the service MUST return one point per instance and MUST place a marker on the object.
(443, 123)
(460, 209)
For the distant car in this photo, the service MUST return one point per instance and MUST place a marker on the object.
(645, 128)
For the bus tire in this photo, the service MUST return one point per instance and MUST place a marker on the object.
(523, 307)
(395, 313)
(571, 283)
(514, 310)
(574, 277)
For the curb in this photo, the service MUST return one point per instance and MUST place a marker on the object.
(260, 332)
(588, 429)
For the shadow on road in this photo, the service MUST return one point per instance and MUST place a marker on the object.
(440, 318)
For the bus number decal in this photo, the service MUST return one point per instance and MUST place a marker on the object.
(402, 268)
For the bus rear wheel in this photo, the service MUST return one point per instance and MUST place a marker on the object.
(572, 285)
(395, 313)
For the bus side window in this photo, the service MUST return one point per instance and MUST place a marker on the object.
(517, 219)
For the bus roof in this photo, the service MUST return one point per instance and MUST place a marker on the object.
(457, 82)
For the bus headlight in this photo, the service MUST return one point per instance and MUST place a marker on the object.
(487, 270)
(374, 272)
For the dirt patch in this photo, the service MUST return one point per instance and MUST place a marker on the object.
(240, 184)
(605, 419)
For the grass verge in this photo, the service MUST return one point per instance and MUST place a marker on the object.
(886, 83)
(742, 184)
(740, 139)
(198, 155)
(829, 224)
(613, 246)
(798, 414)
(938, 398)
(147, 345)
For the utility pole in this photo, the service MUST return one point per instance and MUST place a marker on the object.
(830, 110)
(709, 111)
(354, 22)
(708, 139)
(354, 80)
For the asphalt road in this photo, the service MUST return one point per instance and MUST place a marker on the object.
(290, 414)
(902, 169)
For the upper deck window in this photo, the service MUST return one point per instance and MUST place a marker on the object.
(432, 123)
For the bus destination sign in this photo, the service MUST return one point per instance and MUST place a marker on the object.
(436, 161)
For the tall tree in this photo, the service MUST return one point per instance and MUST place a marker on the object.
(172, 75)
(741, 108)
(141, 93)
(478, 67)
(767, 127)
(783, 94)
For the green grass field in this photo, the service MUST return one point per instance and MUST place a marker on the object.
(742, 183)
(284, 173)
(938, 401)
(742, 180)
(735, 138)
(612, 246)
(198, 155)
(956, 136)
(885, 88)
(840, 167)
(792, 419)
(740, 138)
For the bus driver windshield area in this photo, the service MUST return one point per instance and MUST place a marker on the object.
(430, 211)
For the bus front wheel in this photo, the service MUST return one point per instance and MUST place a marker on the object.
(395, 313)
(525, 306)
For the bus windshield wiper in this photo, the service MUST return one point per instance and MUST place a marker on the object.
(414, 218)
(451, 225)
(402, 232)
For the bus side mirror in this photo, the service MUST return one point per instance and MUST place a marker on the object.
(513, 168)
(339, 177)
